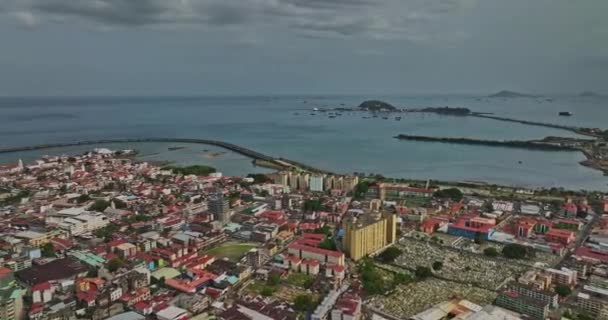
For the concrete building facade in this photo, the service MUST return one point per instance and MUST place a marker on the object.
(365, 234)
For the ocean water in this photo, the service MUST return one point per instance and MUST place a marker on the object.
(283, 126)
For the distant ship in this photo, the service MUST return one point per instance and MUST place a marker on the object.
(398, 118)
(565, 113)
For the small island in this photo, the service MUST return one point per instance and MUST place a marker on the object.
(511, 94)
(376, 105)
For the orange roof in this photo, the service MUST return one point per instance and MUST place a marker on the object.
(4, 271)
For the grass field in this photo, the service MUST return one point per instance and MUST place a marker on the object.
(231, 250)
(299, 280)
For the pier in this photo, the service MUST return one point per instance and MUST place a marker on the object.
(276, 162)
(521, 144)
(576, 130)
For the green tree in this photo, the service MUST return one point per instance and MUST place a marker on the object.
(267, 291)
(259, 178)
(437, 265)
(114, 264)
(515, 251)
(490, 252)
(361, 190)
(563, 290)
(199, 170)
(452, 193)
(274, 279)
(99, 205)
(327, 244)
(83, 198)
(389, 255)
(47, 250)
(326, 230)
(401, 278)
(423, 272)
(487, 207)
(92, 273)
(303, 302)
(119, 204)
(373, 283)
(311, 205)
(479, 238)
(106, 232)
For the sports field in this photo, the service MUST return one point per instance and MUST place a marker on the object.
(231, 250)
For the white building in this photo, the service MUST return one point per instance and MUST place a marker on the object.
(77, 221)
(316, 183)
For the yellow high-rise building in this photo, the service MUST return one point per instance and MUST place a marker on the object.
(367, 233)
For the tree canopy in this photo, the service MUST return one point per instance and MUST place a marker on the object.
(517, 251)
(259, 178)
(437, 265)
(199, 170)
(99, 205)
(423, 272)
(389, 255)
(304, 302)
(361, 190)
(452, 193)
(563, 290)
(114, 264)
(490, 252)
(311, 205)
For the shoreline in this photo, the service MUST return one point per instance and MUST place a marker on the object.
(285, 164)
(546, 144)
(265, 160)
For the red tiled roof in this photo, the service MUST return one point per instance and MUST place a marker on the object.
(592, 254)
(42, 286)
(336, 268)
(331, 253)
(318, 236)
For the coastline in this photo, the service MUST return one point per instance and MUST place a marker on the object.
(546, 144)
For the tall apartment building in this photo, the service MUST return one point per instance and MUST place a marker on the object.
(591, 305)
(365, 234)
(219, 207)
(11, 296)
(316, 183)
(563, 276)
(529, 291)
(533, 308)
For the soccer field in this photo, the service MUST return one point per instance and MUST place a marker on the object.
(231, 250)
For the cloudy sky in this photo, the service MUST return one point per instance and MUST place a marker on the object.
(160, 47)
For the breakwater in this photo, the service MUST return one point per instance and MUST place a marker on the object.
(520, 144)
(262, 158)
(576, 130)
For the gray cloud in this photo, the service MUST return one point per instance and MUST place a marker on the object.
(343, 18)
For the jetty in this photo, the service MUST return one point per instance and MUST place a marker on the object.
(256, 156)
(520, 144)
(577, 130)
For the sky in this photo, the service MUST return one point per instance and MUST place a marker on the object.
(200, 47)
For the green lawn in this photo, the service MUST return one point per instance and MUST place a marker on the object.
(299, 279)
(256, 287)
(231, 250)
